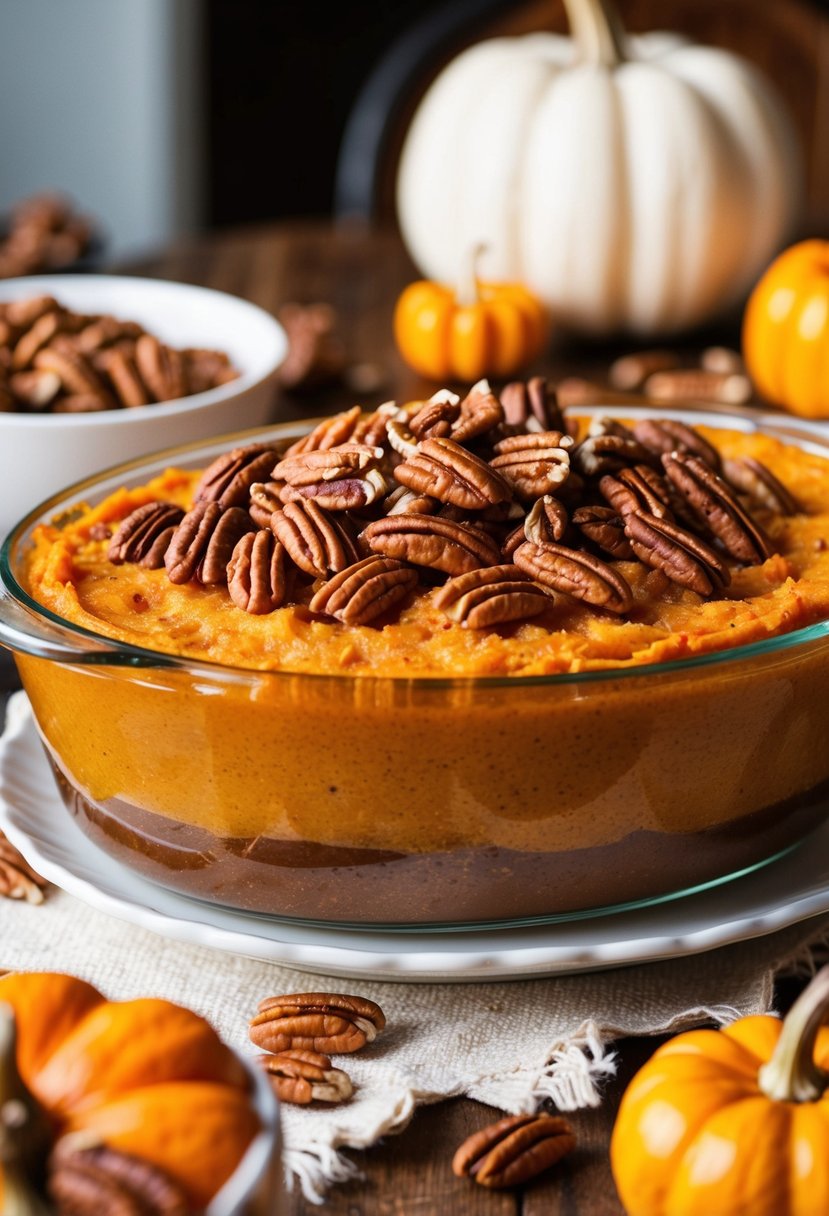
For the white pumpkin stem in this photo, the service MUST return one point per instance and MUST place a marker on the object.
(466, 291)
(791, 1074)
(597, 32)
(24, 1132)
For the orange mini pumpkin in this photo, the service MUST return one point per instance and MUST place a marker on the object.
(786, 330)
(146, 1078)
(470, 331)
(731, 1122)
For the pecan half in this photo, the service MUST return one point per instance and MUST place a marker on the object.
(696, 384)
(41, 331)
(301, 1077)
(434, 418)
(429, 540)
(606, 452)
(660, 435)
(534, 465)
(203, 542)
(123, 375)
(492, 596)
(315, 540)
(401, 439)
(577, 574)
(606, 529)
(444, 470)
(228, 479)
(546, 520)
(681, 556)
(533, 404)
(35, 388)
(328, 1022)
(715, 504)
(480, 411)
(514, 1150)
(161, 368)
(752, 478)
(329, 433)
(92, 1181)
(365, 591)
(257, 579)
(17, 878)
(637, 489)
(406, 502)
(145, 534)
(77, 375)
(263, 500)
(629, 372)
(339, 478)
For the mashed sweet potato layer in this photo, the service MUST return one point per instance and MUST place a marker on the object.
(69, 573)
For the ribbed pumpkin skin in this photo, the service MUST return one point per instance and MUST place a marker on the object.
(642, 198)
(696, 1136)
(147, 1077)
(786, 330)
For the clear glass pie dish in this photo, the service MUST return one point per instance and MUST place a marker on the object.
(394, 802)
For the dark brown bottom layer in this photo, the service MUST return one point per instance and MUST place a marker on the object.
(318, 882)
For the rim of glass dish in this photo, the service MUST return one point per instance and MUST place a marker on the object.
(119, 653)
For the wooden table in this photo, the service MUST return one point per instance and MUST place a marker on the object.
(360, 274)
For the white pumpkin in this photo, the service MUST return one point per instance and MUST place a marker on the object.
(635, 184)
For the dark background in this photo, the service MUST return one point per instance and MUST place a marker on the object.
(265, 61)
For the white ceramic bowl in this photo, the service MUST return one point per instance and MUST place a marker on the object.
(257, 1185)
(40, 453)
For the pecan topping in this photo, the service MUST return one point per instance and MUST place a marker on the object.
(316, 1021)
(480, 411)
(315, 540)
(401, 438)
(406, 502)
(256, 576)
(660, 435)
(434, 419)
(752, 478)
(229, 478)
(339, 478)
(301, 1077)
(606, 529)
(533, 404)
(637, 489)
(329, 433)
(715, 504)
(546, 520)
(365, 591)
(145, 534)
(17, 878)
(443, 469)
(495, 595)
(203, 542)
(681, 556)
(577, 574)
(606, 452)
(534, 464)
(513, 1150)
(372, 429)
(263, 501)
(429, 540)
(91, 1181)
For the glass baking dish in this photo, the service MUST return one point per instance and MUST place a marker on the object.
(392, 802)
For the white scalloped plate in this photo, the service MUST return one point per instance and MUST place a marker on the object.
(789, 890)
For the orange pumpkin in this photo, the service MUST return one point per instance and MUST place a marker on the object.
(731, 1122)
(147, 1078)
(470, 331)
(786, 330)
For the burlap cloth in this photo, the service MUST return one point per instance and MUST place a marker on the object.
(513, 1044)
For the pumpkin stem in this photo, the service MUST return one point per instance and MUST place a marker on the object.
(466, 292)
(25, 1135)
(597, 31)
(791, 1074)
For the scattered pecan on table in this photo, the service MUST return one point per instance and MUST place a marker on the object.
(302, 1077)
(17, 878)
(514, 1150)
(325, 1022)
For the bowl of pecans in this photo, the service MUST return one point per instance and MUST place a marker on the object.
(467, 661)
(95, 369)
